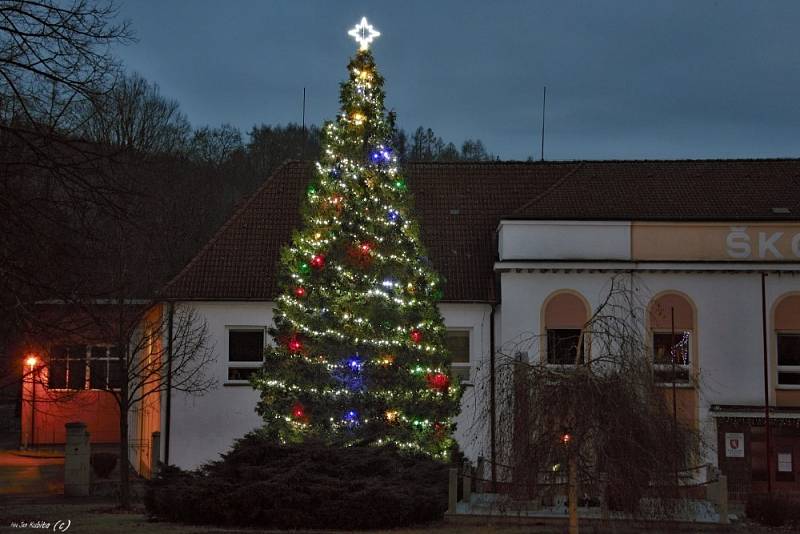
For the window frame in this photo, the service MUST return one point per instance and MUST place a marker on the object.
(667, 367)
(793, 369)
(459, 368)
(243, 365)
(88, 360)
(108, 358)
(580, 347)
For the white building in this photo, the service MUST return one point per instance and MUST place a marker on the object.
(529, 249)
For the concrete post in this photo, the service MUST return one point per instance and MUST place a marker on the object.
(155, 454)
(722, 502)
(452, 491)
(77, 453)
(480, 475)
(467, 485)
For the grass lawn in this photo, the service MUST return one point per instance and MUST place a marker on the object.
(101, 517)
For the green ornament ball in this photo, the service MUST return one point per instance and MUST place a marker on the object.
(305, 268)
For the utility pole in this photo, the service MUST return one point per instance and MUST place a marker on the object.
(544, 103)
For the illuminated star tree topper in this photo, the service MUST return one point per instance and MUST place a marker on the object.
(364, 34)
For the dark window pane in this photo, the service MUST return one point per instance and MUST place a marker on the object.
(241, 373)
(788, 349)
(97, 373)
(457, 343)
(114, 374)
(662, 347)
(76, 367)
(97, 367)
(562, 346)
(246, 345)
(789, 379)
(57, 371)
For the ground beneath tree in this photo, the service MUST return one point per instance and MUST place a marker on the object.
(101, 517)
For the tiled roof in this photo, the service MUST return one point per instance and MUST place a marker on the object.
(672, 190)
(459, 206)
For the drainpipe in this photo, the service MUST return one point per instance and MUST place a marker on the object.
(170, 320)
(766, 379)
(492, 400)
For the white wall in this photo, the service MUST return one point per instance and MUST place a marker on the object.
(472, 424)
(203, 427)
(564, 240)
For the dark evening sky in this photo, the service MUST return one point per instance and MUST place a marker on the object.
(632, 80)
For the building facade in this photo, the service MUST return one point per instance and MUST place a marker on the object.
(528, 250)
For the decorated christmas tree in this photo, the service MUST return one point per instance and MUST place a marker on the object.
(359, 354)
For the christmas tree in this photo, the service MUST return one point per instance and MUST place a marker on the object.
(359, 355)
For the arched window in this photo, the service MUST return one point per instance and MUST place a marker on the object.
(565, 315)
(671, 329)
(787, 330)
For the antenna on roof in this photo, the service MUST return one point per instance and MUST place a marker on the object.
(303, 146)
(544, 101)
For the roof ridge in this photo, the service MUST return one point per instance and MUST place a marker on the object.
(227, 224)
(547, 191)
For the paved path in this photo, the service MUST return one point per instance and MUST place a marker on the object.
(19, 474)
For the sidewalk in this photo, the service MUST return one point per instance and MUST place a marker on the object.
(30, 475)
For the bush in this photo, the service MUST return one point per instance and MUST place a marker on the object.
(103, 463)
(266, 485)
(774, 510)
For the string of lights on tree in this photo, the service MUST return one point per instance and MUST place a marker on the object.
(359, 353)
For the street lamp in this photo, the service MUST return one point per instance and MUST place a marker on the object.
(32, 361)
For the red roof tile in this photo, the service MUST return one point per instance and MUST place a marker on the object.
(672, 190)
(459, 206)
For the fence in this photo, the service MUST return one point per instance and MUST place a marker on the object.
(472, 493)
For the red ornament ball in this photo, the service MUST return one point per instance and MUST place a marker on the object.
(438, 381)
(365, 248)
(295, 345)
(300, 292)
(416, 336)
(318, 261)
(298, 411)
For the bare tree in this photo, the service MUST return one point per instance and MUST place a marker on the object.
(55, 58)
(53, 55)
(134, 116)
(601, 423)
(214, 146)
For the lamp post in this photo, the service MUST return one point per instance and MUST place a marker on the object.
(32, 360)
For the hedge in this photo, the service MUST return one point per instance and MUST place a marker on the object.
(263, 484)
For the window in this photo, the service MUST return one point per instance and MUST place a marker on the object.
(67, 368)
(788, 359)
(564, 318)
(69, 365)
(246, 347)
(672, 312)
(562, 346)
(663, 353)
(457, 343)
(105, 368)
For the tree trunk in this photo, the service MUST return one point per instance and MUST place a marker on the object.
(573, 494)
(124, 469)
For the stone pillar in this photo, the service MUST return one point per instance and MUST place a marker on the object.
(452, 491)
(77, 453)
(722, 506)
(155, 454)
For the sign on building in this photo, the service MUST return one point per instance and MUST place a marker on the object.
(734, 445)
